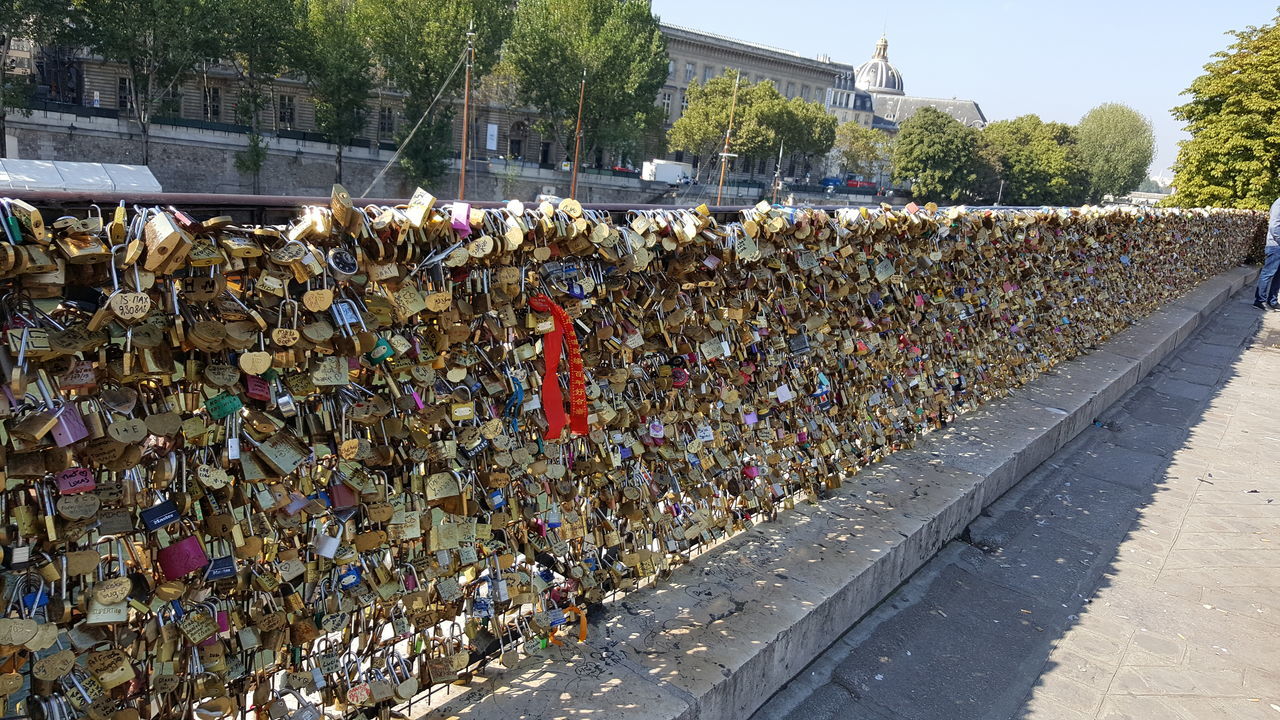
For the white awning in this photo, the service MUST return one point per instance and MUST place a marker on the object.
(62, 175)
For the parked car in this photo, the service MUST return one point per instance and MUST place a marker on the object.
(831, 182)
(859, 183)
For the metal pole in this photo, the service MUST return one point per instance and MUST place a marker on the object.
(777, 173)
(577, 137)
(724, 156)
(466, 112)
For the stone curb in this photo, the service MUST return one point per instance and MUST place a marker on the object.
(722, 634)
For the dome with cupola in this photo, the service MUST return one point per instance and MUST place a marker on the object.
(878, 75)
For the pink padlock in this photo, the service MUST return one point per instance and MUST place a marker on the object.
(257, 388)
(460, 218)
(75, 480)
(69, 428)
(181, 557)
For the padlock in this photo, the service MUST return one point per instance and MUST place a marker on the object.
(327, 540)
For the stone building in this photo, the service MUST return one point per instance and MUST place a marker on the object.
(893, 106)
(81, 111)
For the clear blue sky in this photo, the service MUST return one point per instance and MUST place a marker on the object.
(1014, 57)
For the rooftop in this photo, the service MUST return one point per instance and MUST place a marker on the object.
(822, 60)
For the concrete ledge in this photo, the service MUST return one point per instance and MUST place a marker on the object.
(723, 633)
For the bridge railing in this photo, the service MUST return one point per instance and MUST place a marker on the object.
(356, 454)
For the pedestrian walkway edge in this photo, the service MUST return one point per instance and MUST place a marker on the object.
(718, 637)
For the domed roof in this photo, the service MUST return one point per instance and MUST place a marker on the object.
(877, 75)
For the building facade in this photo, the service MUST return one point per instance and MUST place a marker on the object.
(882, 81)
(75, 92)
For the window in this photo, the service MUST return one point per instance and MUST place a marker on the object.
(707, 72)
(212, 103)
(285, 110)
(671, 68)
(689, 71)
(386, 121)
(666, 103)
(124, 100)
(791, 89)
(684, 103)
(804, 92)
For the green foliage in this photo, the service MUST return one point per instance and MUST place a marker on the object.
(806, 128)
(762, 121)
(46, 22)
(1233, 116)
(259, 42)
(862, 150)
(1115, 145)
(619, 47)
(940, 156)
(249, 161)
(418, 43)
(1037, 161)
(339, 70)
(700, 130)
(158, 41)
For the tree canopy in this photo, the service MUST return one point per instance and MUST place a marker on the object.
(940, 156)
(763, 121)
(51, 22)
(862, 150)
(1036, 160)
(418, 44)
(339, 71)
(623, 58)
(259, 39)
(158, 41)
(1233, 115)
(1115, 145)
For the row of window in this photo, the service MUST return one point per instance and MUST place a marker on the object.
(710, 71)
(286, 107)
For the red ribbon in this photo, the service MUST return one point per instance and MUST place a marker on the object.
(552, 400)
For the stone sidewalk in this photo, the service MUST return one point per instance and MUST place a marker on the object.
(1135, 574)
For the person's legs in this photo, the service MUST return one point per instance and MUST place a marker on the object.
(1267, 287)
(1275, 284)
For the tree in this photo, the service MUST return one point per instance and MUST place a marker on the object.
(805, 128)
(701, 129)
(339, 71)
(1037, 161)
(1233, 116)
(940, 156)
(619, 47)
(1115, 146)
(159, 43)
(763, 122)
(259, 42)
(862, 150)
(419, 44)
(40, 21)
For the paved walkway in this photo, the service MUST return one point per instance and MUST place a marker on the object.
(1136, 574)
